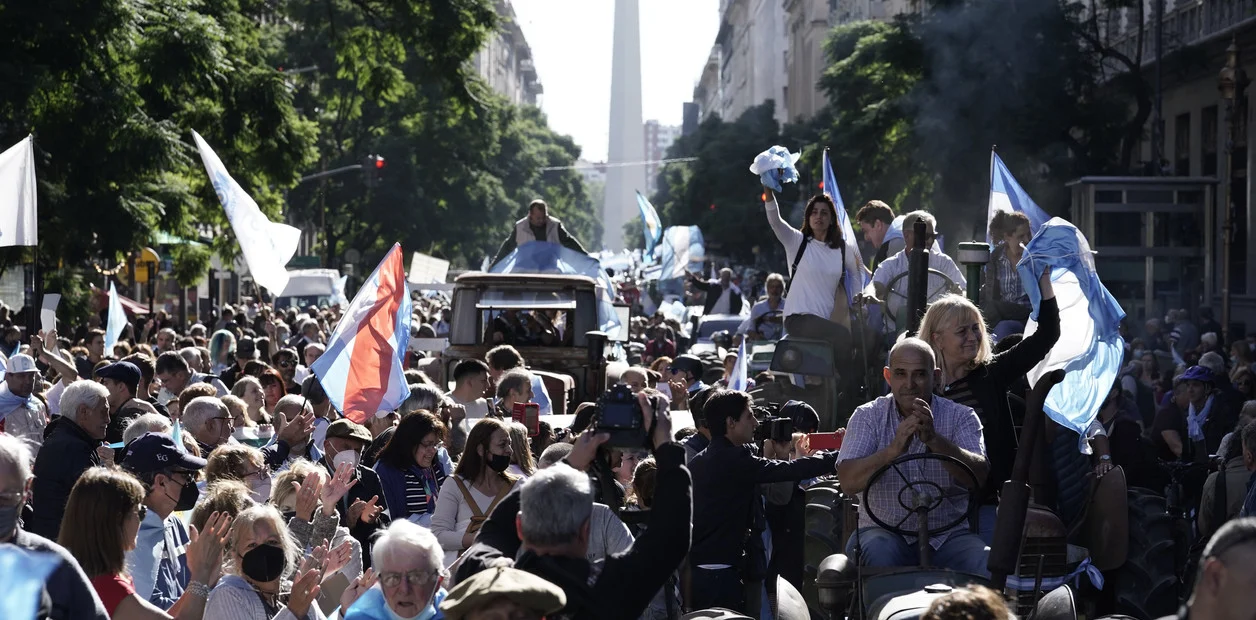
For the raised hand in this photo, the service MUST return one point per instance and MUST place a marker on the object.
(357, 588)
(307, 496)
(204, 551)
(366, 512)
(337, 558)
(336, 488)
(305, 588)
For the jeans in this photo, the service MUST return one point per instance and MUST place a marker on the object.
(963, 551)
(985, 523)
(719, 587)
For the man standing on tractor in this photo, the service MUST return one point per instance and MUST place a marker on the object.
(912, 420)
(538, 226)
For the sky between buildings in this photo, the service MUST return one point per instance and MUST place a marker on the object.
(571, 46)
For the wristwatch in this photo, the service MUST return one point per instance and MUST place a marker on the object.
(1106, 457)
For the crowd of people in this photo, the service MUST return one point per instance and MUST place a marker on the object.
(204, 472)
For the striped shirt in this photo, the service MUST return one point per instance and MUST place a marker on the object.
(1010, 287)
(418, 487)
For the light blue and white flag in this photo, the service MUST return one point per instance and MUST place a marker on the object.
(651, 226)
(739, 380)
(1007, 195)
(682, 248)
(856, 278)
(115, 322)
(1090, 348)
(267, 246)
(25, 573)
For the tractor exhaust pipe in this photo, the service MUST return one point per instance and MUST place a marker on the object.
(1009, 526)
(917, 277)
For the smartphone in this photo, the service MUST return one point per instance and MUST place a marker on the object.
(825, 441)
(529, 415)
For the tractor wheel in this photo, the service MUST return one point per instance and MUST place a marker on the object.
(1146, 586)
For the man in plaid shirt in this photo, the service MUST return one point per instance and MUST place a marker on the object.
(912, 420)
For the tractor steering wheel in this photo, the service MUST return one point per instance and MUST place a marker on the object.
(890, 290)
(922, 496)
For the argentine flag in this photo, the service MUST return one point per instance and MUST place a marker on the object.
(1007, 195)
(739, 380)
(682, 245)
(856, 279)
(115, 321)
(651, 226)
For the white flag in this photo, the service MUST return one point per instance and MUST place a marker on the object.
(267, 246)
(115, 322)
(18, 215)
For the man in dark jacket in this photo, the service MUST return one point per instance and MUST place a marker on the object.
(122, 379)
(554, 509)
(70, 448)
(722, 296)
(726, 479)
(362, 507)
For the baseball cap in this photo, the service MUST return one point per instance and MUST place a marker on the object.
(21, 363)
(521, 587)
(154, 452)
(246, 348)
(805, 418)
(347, 429)
(688, 363)
(123, 372)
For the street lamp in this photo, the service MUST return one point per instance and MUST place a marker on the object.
(1232, 82)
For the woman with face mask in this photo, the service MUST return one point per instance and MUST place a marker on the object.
(306, 498)
(410, 469)
(262, 580)
(102, 520)
(479, 482)
(242, 463)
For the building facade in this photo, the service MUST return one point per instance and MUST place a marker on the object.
(505, 61)
(747, 64)
(658, 138)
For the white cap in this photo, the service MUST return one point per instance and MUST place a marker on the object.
(21, 363)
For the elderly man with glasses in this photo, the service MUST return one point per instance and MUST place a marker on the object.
(888, 286)
(408, 560)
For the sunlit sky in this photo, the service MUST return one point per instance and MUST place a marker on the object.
(571, 47)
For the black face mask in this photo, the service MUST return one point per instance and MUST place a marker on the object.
(499, 462)
(188, 495)
(263, 563)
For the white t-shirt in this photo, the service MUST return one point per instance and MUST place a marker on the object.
(815, 282)
(897, 264)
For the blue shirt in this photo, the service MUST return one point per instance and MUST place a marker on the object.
(159, 563)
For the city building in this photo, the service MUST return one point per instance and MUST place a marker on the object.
(505, 61)
(658, 138)
(751, 56)
(1186, 247)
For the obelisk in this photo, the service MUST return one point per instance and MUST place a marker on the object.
(627, 135)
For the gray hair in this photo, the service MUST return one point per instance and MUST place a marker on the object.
(555, 453)
(146, 423)
(201, 410)
(87, 393)
(513, 381)
(16, 456)
(909, 221)
(294, 402)
(422, 396)
(1209, 338)
(1212, 361)
(554, 504)
(408, 539)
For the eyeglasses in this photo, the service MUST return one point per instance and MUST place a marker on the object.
(226, 420)
(414, 577)
(12, 499)
(432, 446)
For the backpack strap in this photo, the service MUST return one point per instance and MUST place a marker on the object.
(793, 268)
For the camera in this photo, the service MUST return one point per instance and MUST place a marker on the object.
(619, 414)
(772, 426)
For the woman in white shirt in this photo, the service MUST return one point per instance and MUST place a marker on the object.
(816, 305)
(479, 482)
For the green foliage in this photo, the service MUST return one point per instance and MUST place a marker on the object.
(191, 263)
(113, 90)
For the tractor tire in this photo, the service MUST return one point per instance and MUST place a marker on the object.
(1146, 586)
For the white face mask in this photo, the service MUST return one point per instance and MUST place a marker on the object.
(344, 456)
(260, 490)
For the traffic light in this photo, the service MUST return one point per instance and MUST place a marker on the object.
(372, 169)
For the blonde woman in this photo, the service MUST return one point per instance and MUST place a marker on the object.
(249, 390)
(522, 464)
(478, 483)
(261, 557)
(242, 463)
(973, 377)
